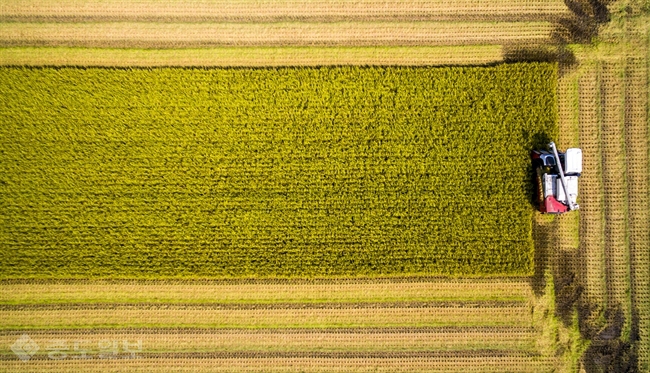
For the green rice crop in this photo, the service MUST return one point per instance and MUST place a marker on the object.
(279, 172)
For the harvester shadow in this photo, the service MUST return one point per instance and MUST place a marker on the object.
(607, 351)
(579, 27)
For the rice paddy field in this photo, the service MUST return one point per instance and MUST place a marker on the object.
(320, 186)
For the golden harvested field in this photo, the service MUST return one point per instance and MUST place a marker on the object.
(412, 363)
(592, 234)
(277, 325)
(615, 186)
(282, 10)
(192, 35)
(413, 339)
(274, 316)
(267, 291)
(254, 56)
(213, 33)
(636, 136)
(611, 268)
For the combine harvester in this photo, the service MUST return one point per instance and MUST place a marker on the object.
(556, 177)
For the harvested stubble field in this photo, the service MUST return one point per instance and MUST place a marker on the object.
(253, 56)
(611, 103)
(483, 329)
(192, 35)
(281, 10)
(262, 33)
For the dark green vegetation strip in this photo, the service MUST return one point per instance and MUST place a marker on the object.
(288, 172)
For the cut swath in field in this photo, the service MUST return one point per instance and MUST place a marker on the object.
(592, 230)
(564, 255)
(253, 56)
(281, 10)
(615, 187)
(383, 362)
(322, 337)
(162, 35)
(193, 340)
(637, 140)
(266, 292)
(265, 316)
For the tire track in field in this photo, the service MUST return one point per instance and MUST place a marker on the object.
(615, 188)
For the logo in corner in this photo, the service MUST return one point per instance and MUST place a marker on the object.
(24, 347)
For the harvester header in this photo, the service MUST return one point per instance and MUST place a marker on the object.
(556, 179)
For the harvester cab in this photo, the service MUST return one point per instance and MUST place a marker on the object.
(556, 178)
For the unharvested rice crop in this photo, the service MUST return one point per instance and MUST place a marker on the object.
(337, 171)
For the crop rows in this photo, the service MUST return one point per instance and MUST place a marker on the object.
(454, 362)
(260, 173)
(265, 292)
(253, 56)
(209, 316)
(637, 139)
(349, 336)
(281, 10)
(188, 35)
(298, 340)
(615, 188)
(615, 133)
(592, 234)
(278, 33)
